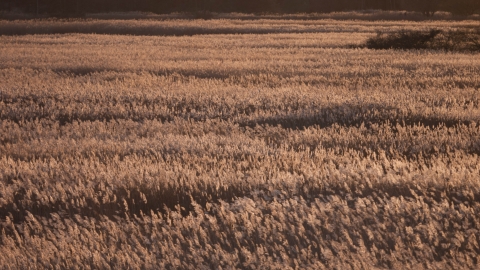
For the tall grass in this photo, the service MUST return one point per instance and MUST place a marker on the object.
(237, 151)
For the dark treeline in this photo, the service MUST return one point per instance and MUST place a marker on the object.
(58, 7)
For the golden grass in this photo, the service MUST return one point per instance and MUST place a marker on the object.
(237, 151)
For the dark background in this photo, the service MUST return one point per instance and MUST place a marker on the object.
(78, 7)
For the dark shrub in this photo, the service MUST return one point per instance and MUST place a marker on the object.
(403, 40)
(458, 40)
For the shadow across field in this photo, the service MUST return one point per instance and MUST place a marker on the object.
(121, 202)
(150, 28)
(244, 115)
(349, 115)
(301, 123)
(138, 201)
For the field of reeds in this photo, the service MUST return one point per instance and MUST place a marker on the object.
(280, 144)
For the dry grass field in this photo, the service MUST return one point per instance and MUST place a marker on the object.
(259, 144)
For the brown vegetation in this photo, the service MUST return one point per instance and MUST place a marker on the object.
(237, 151)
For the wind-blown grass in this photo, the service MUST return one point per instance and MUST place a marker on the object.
(236, 151)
